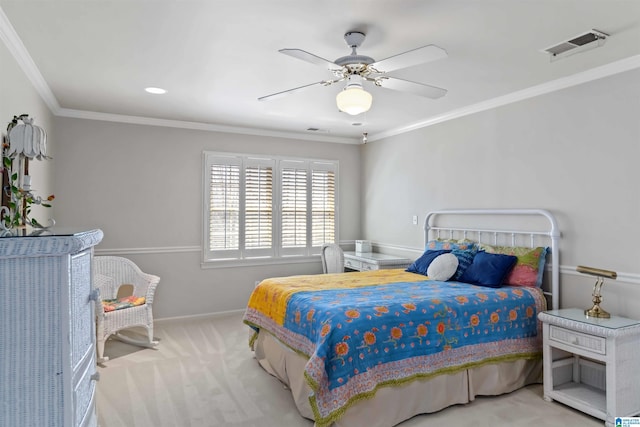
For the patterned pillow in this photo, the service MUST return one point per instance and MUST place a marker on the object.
(529, 269)
(465, 258)
(450, 244)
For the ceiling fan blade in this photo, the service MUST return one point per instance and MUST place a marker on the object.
(308, 57)
(295, 89)
(410, 58)
(421, 89)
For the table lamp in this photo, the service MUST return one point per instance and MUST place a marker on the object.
(596, 310)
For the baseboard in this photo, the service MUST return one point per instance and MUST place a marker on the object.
(199, 316)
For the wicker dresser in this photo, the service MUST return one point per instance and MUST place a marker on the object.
(47, 329)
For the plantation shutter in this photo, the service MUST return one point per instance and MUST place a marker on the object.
(258, 207)
(294, 207)
(224, 183)
(258, 223)
(323, 203)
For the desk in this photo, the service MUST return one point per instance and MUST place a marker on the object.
(364, 261)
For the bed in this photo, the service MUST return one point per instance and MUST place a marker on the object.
(377, 348)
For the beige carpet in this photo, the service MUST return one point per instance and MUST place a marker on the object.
(204, 374)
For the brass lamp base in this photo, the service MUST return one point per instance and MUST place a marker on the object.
(596, 311)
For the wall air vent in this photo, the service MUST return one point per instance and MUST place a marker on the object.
(580, 43)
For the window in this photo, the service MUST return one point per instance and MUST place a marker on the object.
(257, 207)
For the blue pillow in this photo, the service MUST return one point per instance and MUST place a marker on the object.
(421, 265)
(541, 264)
(489, 269)
(465, 258)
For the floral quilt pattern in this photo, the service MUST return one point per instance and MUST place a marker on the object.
(361, 338)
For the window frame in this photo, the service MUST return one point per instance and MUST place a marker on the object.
(276, 255)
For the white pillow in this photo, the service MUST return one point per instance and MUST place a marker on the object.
(443, 267)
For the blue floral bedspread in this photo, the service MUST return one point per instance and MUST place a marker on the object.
(360, 339)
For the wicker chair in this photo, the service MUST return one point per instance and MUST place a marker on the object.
(110, 273)
(332, 258)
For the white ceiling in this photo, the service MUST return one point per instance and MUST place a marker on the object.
(217, 57)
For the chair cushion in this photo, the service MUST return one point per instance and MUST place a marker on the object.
(120, 303)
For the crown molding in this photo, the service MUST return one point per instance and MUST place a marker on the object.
(15, 46)
(610, 69)
(18, 50)
(151, 121)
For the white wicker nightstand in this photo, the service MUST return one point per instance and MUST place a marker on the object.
(592, 364)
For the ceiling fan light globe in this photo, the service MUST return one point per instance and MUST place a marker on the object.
(354, 100)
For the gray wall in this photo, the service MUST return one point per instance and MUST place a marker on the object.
(574, 152)
(142, 185)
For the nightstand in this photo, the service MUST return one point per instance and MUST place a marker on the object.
(365, 261)
(592, 364)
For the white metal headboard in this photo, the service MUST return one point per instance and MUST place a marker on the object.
(551, 233)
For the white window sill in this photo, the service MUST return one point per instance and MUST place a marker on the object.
(250, 262)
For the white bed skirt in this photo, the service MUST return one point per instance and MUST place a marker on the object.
(394, 404)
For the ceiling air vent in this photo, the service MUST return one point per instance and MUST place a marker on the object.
(580, 43)
(317, 130)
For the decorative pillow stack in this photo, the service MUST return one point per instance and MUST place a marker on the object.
(490, 266)
(446, 268)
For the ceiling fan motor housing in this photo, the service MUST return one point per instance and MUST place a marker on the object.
(354, 63)
(354, 38)
(354, 59)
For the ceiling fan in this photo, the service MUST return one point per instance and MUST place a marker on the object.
(356, 69)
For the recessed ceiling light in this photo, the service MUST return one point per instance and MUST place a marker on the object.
(156, 90)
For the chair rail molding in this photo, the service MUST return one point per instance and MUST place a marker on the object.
(148, 250)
